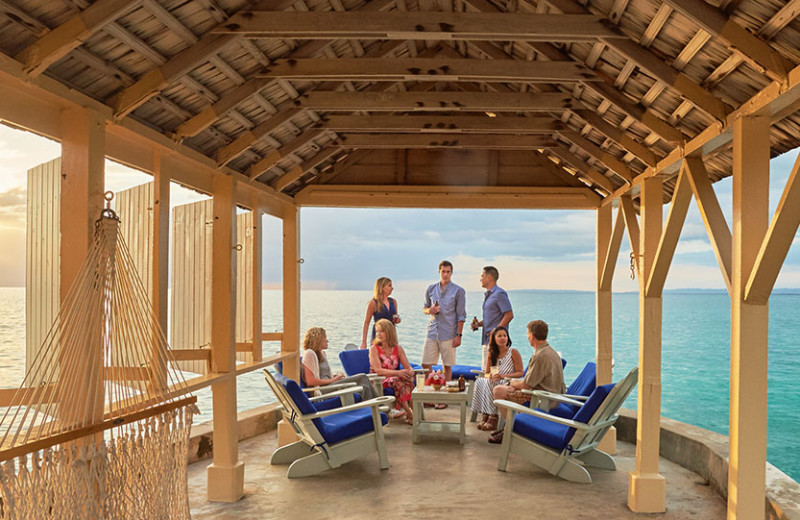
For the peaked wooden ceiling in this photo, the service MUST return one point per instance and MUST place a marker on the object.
(510, 93)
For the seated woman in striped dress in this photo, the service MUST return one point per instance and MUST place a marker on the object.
(509, 363)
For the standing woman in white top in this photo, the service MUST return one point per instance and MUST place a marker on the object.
(380, 307)
(317, 370)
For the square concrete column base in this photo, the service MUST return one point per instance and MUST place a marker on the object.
(225, 483)
(646, 492)
(286, 433)
(609, 442)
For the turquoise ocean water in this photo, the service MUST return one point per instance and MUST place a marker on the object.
(695, 352)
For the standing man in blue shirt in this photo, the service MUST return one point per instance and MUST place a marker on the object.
(496, 308)
(446, 304)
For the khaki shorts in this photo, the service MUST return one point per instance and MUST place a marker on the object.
(433, 348)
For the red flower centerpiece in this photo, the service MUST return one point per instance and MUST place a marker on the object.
(436, 380)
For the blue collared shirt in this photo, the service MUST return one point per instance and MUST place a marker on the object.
(495, 304)
(452, 309)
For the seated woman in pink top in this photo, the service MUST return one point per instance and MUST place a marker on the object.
(385, 356)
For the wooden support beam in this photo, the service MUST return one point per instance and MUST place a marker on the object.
(584, 168)
(189, 354)
(415, 25)
(57, 43)
(754, 50)
(614, 164)
(718, 232)
(298, 171)
(291, 291)
(747, 452)
(654, 65)
(447, 197)
(632, 225)
(777, 242)
(681, 198)
(646, 487)
(159, 290)
(441, 124)
(462, 141)
(226, 474)
(274, 157)
(257, 278)
(434, 101)
(610, 254)
(426, 69)
(642, 152)
(272, 336)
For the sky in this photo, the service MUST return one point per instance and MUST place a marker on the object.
(349, 248)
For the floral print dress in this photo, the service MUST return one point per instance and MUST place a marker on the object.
(402, 388)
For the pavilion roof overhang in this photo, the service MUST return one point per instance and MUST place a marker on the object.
(294, 95)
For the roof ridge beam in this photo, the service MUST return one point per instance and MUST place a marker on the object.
(60, 41)
(655, 66)
(755, 51)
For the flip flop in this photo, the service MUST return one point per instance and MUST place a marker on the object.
(441, 406)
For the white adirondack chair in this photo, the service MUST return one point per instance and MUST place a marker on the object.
(565, 447)
(357, 429)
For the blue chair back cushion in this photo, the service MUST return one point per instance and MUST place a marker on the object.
(555, 435)
(355, 361)
(584, 384)
(279, 368)
(333, 428)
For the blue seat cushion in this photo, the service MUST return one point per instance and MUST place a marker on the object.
(542, 431)
(347, 425)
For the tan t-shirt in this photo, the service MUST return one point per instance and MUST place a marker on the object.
(545, 371)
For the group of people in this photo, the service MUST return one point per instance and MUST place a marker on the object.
(445, 303)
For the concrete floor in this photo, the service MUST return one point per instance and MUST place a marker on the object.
(440, 478)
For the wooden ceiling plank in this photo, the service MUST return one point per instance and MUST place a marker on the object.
(244, 140)
(60, 41)
(656, 67)
(754, 50)
(274, 157)
(639, 150)
(416, 25)
(426, 69)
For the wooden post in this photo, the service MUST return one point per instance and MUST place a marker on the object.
(82, 184)
(749, 323)
(226, 473)
(603, 346)
(646, 488)
(291, 306)
(257, 281)
(160, 259)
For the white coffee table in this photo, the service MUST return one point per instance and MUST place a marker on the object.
(428, 395)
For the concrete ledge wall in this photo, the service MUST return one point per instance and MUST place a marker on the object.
(251, 423)
(706, 453)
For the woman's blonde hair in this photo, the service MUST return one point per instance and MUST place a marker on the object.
(387, 327)
(377, 295)
(315, 340)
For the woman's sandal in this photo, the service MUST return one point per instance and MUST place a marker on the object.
(491, 424)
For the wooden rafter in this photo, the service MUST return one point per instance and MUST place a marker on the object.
(642, 152)
(612, 253)
(441, 124)
(752, 49)
(272, 159)
(57, 43)
(581, 166)
(416, 25)
(298, 171)
(631, 224)
(655, 66)
(614, 164)
(434, 101)
(426, 69)
(461, 141)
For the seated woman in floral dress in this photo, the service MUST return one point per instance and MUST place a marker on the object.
(509, 363)
(385, 357)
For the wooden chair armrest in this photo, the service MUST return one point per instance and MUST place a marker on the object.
(344, 391)
(332, 386)
(550, 396)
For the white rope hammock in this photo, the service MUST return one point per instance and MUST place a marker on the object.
(100, 426)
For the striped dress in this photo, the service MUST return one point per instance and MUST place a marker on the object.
(482, 398)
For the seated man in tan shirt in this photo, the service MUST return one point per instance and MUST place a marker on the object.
(545, 372)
